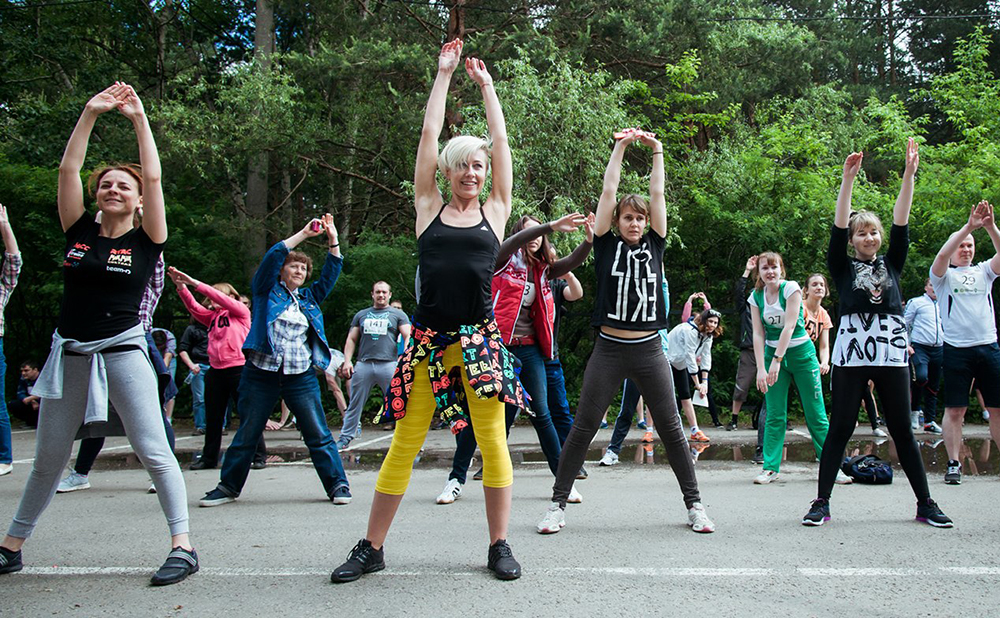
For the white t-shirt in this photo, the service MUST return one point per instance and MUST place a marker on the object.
(871, 340)
(966, 303)
(773, 315)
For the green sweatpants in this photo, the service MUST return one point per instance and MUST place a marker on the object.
(801, 366)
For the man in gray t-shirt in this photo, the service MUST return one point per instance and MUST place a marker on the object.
(373, 333)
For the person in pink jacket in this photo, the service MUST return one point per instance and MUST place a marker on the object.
(228, 322)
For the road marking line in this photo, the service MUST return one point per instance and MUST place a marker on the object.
(23, 431)
(857, 572)
(112, 448)
(972, 570)
(351, 447)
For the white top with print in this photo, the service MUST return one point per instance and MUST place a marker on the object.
(966, 302)
(871, 340)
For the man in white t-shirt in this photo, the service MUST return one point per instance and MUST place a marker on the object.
(964, 293)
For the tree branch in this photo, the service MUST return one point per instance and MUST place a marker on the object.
(370, 181)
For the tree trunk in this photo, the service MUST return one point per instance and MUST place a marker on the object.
(257, 185)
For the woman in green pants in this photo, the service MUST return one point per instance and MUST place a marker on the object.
(784, 354)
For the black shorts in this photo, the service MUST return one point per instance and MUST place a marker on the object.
(963, 365)
(682, 383)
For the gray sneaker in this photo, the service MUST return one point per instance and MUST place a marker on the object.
(954, 474)
(343, 442)
(73, 482)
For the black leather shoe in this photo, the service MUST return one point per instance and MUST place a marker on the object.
(180, 563)
(201, 464)
(258, 464)
(501, 561)
(363, 559)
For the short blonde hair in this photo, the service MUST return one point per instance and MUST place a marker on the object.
(227, 289)
(862, 219)
(459, 151)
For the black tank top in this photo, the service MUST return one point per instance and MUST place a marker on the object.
(455, 271)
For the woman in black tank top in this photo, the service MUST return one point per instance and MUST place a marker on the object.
(456, 362)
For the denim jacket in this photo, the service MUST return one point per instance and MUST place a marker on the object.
(271, 300)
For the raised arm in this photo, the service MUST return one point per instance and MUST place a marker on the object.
(70, 195)
(852, 165)
(498, 204)
(991, 228)
(154, 214)
(7, 232)
(657, 197)
(427, 198)
(565, 265)
(510, 245)
(977, 218)
(901, 211)
(612, 176)
(740, 287)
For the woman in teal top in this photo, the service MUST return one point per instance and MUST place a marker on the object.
(784, 353)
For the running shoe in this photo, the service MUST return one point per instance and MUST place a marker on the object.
(758, 455)
(478, 476)
(766, 477)
(986, 415)
(452, 491)
(582, 474)
(152, 488)
(930, 513)
(610, 458)
(501, 561)
(215, 498)
(731, 427)
(717, 425)
(647, 437)
(553, 520)
(819, 513)
(363, 559)
(843, 479)
(6, 468)
(179, 564)
(699, 436)
(604, 424)
(10, 561)
(915, 419)
(933, 428)
(642, 425)
(698, 520)
(343, 442)
(879, 433)
(954, 474)
(574, 496)
(73, 482)
(341, 495)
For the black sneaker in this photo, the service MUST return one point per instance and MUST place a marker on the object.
(363, 559)
(10, 561)
(758, 455)
(202, 464)
(954, 474)
(731, 426)
(258, 464)
(582, 474)
(180, 563)
(930, 513)
(819, 513)
(216, 497)
(341, 495)
(478, 476)
(501, 561)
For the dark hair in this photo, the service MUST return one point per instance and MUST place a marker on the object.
(298, 256)
(544, 253)
(701, 321)
(160, 339)
(31, 363)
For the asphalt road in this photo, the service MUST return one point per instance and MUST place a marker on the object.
(625, 551)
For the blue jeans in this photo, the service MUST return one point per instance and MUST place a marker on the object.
(562, 418)
(630, 398)
(6, 456)
(259, 392)
(927, 361)
(533, 379)
(198, 396)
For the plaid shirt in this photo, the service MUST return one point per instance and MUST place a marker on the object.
(8, 280)
(288, 335)
(151, 295)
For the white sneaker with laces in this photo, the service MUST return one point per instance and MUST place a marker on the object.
(6, 468)
(698, 520)
(766, 477)
(877, 432)
(915, 419)
(843, 479)
(553, 520)
(73, 482)
(452, 490)
(933, 428)
(574, 496)
(610, 458)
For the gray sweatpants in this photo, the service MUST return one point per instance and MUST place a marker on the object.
(132, 391)
(644, 364)
(366, 375)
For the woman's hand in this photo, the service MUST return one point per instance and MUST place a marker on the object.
(130, 105)
(108, 99)
(772, 374)
(751, 263)
(568, 223)
(627, 136)
(451, 53)
(4, 219)
(588, 227)
(912, 157)
(331, 229)
(852, 165)
(824, 368)
(476, 69)
(649, 139)
(703, 388)
(762, 383)
(180, 278)
(272, 425)
(313, 228)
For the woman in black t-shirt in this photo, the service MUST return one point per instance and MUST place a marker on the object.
(628, 312)
(99, 348)
(871, 338)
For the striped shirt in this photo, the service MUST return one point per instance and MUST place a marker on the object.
(8, 281)
(151, 295)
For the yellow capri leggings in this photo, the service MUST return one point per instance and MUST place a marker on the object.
(411, 431)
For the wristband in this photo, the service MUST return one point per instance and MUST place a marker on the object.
(658, 152)
(336, 245)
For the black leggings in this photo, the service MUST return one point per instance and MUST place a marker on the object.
(222, 388)
(849, 384)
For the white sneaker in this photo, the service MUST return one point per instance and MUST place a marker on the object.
(915, 419)
(452, 490)
(553, 520)
(698, 520)
(6, 469)
(73, 482)
(933, 428)
(878, 433)
(574, 496)
(610, 458)
(152, 488)
(765, 477)
(986, 415)
(843, 479)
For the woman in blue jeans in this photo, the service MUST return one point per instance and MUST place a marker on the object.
(525, 313)
(286, 340)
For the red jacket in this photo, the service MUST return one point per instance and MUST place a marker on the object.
(508, 289)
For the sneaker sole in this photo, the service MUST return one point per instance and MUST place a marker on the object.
(773, 479)
(344, 580)
(72, 489)
(218, 502)
(953, 481)
(562, 525)
(924, 520)
(809, 522)
(341, 501)
(504, 576)
(11, 568)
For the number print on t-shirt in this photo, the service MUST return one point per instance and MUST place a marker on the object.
(633, 270)
(528, 297)
(873, 279)
(967, 281)
(375, 325)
